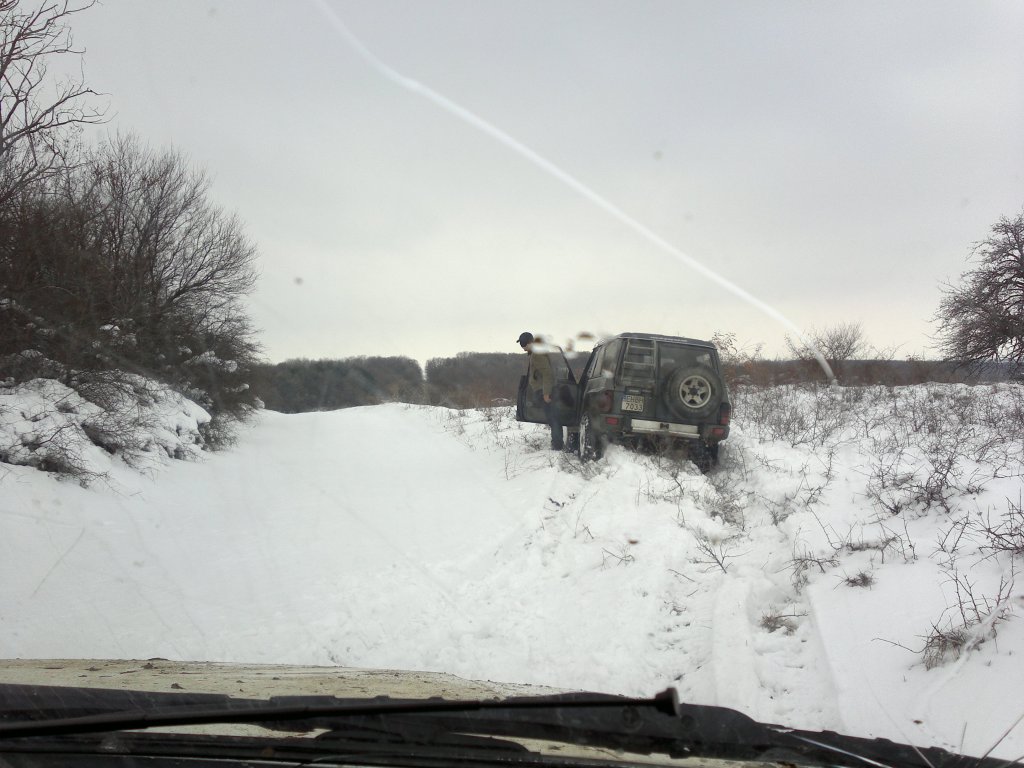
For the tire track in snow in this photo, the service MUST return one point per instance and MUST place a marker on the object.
(737, 684)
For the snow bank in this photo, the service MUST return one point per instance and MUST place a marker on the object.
(112, 418)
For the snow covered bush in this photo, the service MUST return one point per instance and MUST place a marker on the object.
(798, 415)
(943, 462)
(111, 416)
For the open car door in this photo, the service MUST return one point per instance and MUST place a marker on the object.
(565, 393)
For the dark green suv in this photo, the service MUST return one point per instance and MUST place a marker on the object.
(653, 391)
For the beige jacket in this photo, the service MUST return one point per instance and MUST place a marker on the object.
(540, 376)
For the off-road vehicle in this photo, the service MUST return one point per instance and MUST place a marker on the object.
(653, 391)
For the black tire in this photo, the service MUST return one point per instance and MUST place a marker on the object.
(572, 443)
(693, 392)
(592, 442)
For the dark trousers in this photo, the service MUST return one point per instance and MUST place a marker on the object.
(553, 419)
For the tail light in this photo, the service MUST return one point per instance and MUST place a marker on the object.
(604, 401)
(724, 414)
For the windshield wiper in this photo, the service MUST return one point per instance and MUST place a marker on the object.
(659, 725)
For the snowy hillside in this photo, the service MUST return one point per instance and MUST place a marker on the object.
(849, 566)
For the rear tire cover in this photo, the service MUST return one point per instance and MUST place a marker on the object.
(693, 392)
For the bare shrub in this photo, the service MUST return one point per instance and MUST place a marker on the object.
(805, 561)
(714, 551)
(979, 617)
(737, 360)
(455, 422)
(860, 579)
(735, 462)
(945, 644)
(126, 420)
(931, 450)
(218, 433)
(889, 483)
(810, 416)
(568, 462)
(1002, 535)
(774, 620)
(622, 557)
(723, 500)
(887, 543)
(950, 541)
(55, 444)
(808, 492)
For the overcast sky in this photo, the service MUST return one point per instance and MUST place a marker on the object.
(835, 159)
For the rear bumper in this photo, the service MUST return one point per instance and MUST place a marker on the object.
(645, 427)
(618, 427)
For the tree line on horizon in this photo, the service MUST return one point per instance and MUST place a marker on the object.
(468, 380)
(489, 379)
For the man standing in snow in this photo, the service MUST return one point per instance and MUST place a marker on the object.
(540, 378)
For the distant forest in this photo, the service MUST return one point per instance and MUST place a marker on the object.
(483, 379)
(297, 386)
(469, 380)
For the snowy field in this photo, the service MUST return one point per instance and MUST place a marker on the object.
(849, 566)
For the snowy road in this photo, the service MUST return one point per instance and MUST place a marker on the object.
(426, 539)
(390, 537)
(315, 528)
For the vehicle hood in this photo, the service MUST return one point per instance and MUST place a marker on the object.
(255, 680)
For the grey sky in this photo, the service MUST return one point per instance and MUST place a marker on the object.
(836, 159)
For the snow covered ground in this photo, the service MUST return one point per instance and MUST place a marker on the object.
(847, 538)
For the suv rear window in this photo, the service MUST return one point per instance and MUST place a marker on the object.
(679, 355)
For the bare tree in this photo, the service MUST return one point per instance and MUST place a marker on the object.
(738, 360)
(843, 341)
(176, 267)
(124, 262)
(982, 318)
(167, 250)
(36, 111)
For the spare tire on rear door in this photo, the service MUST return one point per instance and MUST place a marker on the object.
(693, 391)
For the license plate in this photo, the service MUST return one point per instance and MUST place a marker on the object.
(632, 403)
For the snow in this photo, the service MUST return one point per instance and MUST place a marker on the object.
(410, 537)
(44, 423)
